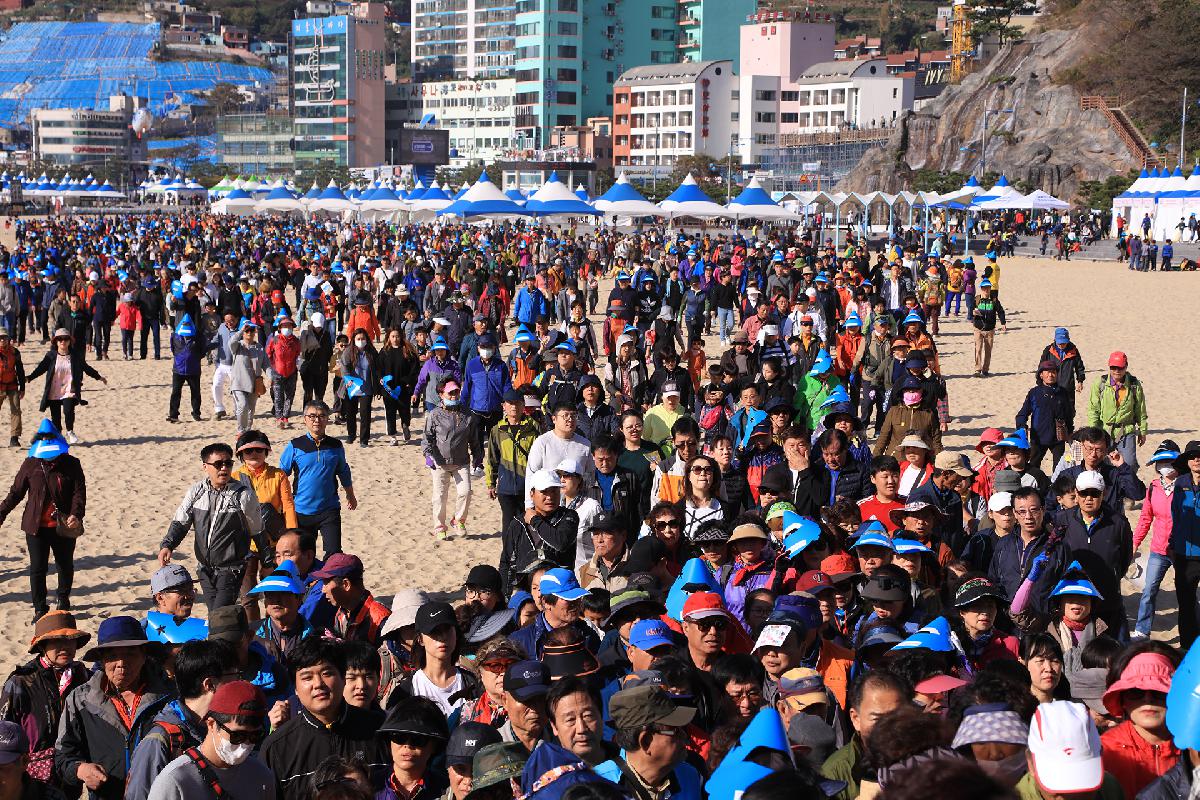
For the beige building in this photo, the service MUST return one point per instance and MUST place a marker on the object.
(82, 136)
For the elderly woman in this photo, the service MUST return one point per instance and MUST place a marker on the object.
(246, 378)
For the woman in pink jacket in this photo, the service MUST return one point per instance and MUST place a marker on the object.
(1156, 521)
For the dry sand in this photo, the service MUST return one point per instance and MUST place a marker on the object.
(138, 466)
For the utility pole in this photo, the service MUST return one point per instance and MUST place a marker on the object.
(1182, 128)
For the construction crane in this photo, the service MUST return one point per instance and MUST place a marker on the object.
(961, 47)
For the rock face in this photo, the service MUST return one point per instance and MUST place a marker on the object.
(1048, 142)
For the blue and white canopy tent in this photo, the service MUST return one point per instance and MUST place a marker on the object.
(332, 200)
(238, 202)
(280, 199)
(426, 203)
(689, 200)
(755, 203)
(623, 200)
(554, 199)
(484, 199)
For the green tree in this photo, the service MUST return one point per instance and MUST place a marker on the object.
(1100, 194)
(931, 180)
(224, 98)
(994, 18)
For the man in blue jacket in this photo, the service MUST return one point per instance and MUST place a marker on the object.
(562, 605)
(318, 464)
(530, 303)
(1185, 539)
(187, 348)
(485, 380)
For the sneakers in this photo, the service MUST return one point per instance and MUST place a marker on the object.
(393, 441)
(72, 438)
(407, 435)
(439, 533)
(477, 473)
(220, 415)
(459, 527)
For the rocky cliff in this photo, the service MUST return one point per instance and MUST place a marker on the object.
(1047, 142)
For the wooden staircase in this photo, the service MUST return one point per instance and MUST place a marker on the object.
(1139, 148)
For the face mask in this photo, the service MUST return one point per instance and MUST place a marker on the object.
(286, 332)
(912, 398)
(1167, 472)
(450, 402)
(360, 343)
(1008, 771)
(486, 353)
(232, 754)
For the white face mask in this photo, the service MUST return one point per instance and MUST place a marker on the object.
(287, 331)
(486, 353)
(1167, 472)
(360, 343)
(232, 754)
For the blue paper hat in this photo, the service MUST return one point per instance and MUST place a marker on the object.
(754, 418)
(798, 533)
(519, 599)
(869, 525)
(1163, 453)
(913, 317)
(185, 327)
(736, 773)
(699, 577)
(876, 538)
(523, 335)
(47, 442)
(837, 396)
(1183, 702)
(909, 546)
(1018, 439)
(1076, 583)
(985, 284)
(854, 320)
(777, 258)
(246, 322)
(162, 627)
(440, 344)
(354, 386)
(935, 636)
(281, 580)
(822, 277)
(822, 365)
(567, 346)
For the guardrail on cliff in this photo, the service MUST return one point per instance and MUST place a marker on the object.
(1120, 122)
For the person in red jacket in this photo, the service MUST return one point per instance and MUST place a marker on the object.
(1139, 750)
(977, 603)
(283, 351)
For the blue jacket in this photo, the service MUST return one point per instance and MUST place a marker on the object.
(188, 350)
(1185, 517)
(528, 306)
(1167, 252)
(484, 386)
(533, 636)
(317, 469)
(1043, 405)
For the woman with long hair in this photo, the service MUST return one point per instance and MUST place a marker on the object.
(701, 501)
(359, 368)
(435, 653)
(64, 367)
(398, 359)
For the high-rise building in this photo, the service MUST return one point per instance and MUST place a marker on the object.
(255, 144)
(83, 136)
(706, 27)
(462, 38)
(338, 87)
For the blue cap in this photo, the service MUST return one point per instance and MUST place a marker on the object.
(985, 284)
(647, 634)
(853, 320)
(519, 599)
(281, 580)
(909, 546)
(837, 396)
(185, 327)
(1077, 585)
(523, 335)
(622, 275)
(1017, 439)
(777, 258)
(822, 365)
(912, 318)
(1061, 335)
(822, 277)
(876, 538)
(47, 443)
(801, 608)
(567, 346)
(870, 525)
(561, 583)
(1163, 453)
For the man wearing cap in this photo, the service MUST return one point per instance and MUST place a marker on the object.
(559, 382)
(530, 303)
(651, 731)
(254, 662)
(467, 739)
(1063, 353)
(33, 693)
(171, 621)
(1064, 756)
(1117, 406)
(546, 533)
(485, 380)
(609, 552)
(1102, 542)
(235, 723)
(317, 464)
(524, 699)
(16, 762)
(283, 626)
(941, 491)
(226, 518)
(104, 718)
(508, 446)
(740, 359)
(706, 625)
(562, 606)
(984, 316)
(201, 667)
(358, 615)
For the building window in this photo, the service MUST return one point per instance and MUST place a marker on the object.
(804, 120)
(567, 51)
(568, 29)
(764, 138)
(567, 74)
(789, 117)
(528, 74)
(821, 97)
(662, 12)
(894, 91)
(789, 97)
(685, 119)
(567, 99)
(568, 5)
(764, 116)
(837, 97)
(805, 98)
(529, 51)
(685, 97)
(764, 94)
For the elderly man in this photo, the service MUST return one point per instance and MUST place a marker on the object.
(562, 606)
(546, 533)
(524, 699)
(1118, 407)
(104, 718)
(651, 732)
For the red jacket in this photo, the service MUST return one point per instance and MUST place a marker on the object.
(1133, 761)
(283, 352)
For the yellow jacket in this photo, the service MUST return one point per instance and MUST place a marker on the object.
(272, 486)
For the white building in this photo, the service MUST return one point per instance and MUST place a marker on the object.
(662, 112)
(463, 38)
(479, 114)
(82, 136)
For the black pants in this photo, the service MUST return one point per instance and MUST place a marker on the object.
(101, 333)
(43, 322)
(148, 326)
(40, 547)
(22, 324)
(221, 586)
(63, 410)
(357, 411)
(398, 407)
(481, 430)
(328, 524)
(1037, 452)
(177, 382)
(511, 505)
(1187, 577)
(314, 384)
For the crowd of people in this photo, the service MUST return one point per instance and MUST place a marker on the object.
(737, 556)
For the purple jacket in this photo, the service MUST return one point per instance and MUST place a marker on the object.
(431, 373)
(758, 578)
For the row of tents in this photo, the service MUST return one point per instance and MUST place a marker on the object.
(66, 188)
(1166, 197)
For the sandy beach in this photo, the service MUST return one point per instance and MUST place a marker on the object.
(138, 466)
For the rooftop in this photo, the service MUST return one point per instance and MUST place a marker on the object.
(667, 73)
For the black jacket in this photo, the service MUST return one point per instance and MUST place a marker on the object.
(1120, 483)
(950, 528)
(543, 539)
(1104, 553)
(630, 498)
(853, 481)
(79, 368)
(1175, 783)
(603, 420)
(295, 748)
(32, 700)
(805, 493)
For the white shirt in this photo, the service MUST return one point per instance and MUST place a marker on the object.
(423, 687)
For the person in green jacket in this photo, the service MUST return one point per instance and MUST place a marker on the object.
(818, 385)
(872, 695)
(1118, 407)
(508, 454)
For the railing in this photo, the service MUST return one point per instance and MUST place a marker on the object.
(849, 135)
(1124, 127)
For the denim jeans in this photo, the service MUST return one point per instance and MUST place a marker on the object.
(725, 321)
(1156, 568)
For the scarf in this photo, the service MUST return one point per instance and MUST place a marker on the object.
(1074, 626)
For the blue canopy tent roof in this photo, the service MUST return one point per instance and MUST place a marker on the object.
(484, 199)
(554, 198)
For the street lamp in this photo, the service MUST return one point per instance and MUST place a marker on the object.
(983, 149)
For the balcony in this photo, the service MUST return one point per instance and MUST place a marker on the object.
(688, 20)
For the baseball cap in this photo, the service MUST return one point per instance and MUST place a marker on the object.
(647, 634)
(1065, 748)
(814, 581)
(1062, 335)
(1089, 479)
(433, 615)
(700, 605)
(607, 521)
(805, 685)
(468, 739)
(544, 479)
(13, 742)
(485, 576)
(839, 567)
(670, 388)
(239, 699)
(636, 708)
(339, 565)
(514, 397)
(947, 461)
(526, 680)
(228, 623)
(169, 577)
(1118, 359)
(570, 466)
(1000, 501)
(561, 583)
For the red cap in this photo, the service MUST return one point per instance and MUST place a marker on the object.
(704, 604)
(1118, 359)
(940, 683)
(989, 436)
(339, 565)
(814, 580)
(838, 566)
(239, 699)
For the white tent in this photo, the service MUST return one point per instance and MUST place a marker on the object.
(689, 200)
(331, 200)
(755, 203)
(238, 202)
(279, 199)
(484, 199)
(622, 199)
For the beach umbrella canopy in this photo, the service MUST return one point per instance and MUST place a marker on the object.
(484, 199)
(754, 202)
(622, 199)
(582, 193)
(689, 200)
(554, 198)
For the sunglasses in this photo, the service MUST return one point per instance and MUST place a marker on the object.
(720, 623)
(702, 470)
(498, 667)
(241, 737)
(260, 450)
(224, 463)
(663, 524)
